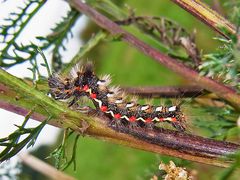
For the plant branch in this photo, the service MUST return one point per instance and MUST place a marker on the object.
(166, 91)
(43, 167)
(161, 141)
(207, 15)
(221, 90)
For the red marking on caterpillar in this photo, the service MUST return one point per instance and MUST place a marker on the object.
(161, 119)
(173, 119)
(85, 88)
(93, 96)
(148, 120)
(77, 88)
(117, 116)
(103, 108)
(67, 91)
(132, 119)
(111, 100)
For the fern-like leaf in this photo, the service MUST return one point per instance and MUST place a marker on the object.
(12, 29)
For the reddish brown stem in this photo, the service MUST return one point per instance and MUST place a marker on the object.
(157, 140)
(183, 142)
(207, 15)
(221, 90)
(23, 111)
(167, 92)
(44, 168)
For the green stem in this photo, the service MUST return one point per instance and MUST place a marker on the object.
(45, 61)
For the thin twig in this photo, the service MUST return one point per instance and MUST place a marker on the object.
(45, 61)
(221, 90)
(166, 91)
(43, 167)
(207, 15)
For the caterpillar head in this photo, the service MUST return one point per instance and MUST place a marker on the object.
(60, 88)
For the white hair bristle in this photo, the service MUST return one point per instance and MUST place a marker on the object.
(172, 108)
(75, 70)
(110, 95)
(134, 99)
(145, 107)
(119, 101)
(130, 104)
(160, 108)
(101, 83)
(106, 79)
(149, 101)
(115, 89)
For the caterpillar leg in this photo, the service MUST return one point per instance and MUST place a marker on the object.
(149, 125)
(179, 126)
(117, 123)
(134, 125)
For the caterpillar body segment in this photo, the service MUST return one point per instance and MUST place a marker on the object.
(111, 100)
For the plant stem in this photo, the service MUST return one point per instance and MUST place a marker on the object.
(221, 90)
(165, 91)
(207, 15)
(168, 142)
(43, 167)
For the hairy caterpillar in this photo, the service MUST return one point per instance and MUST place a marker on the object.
(82, 81)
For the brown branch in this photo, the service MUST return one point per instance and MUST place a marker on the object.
(168, 142)
(166, 92)
(183, 142)
(221, 90)
(207, 15)
(23, 112)
(162, 141)
(43, 168)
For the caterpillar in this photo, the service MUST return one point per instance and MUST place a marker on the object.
(112, 101)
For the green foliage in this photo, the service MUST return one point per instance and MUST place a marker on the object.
(234, 12)
(171, 38)
(224, 64)
(102, 160)
(11, 30)
(228, 173)
(60, 155)
(220, 123)
(22, 52)
(13, 144)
